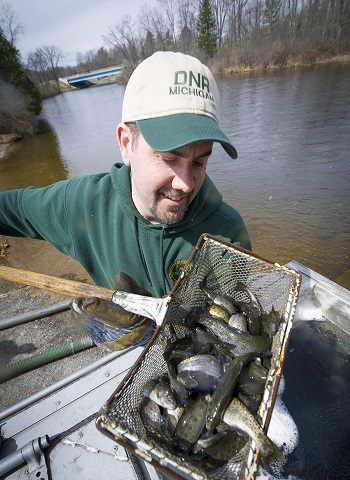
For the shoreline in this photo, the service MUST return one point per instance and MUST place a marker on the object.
(6, 139)
(292, 62)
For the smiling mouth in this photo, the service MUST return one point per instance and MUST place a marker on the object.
(176, 198)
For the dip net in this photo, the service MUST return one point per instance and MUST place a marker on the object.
(222, 266)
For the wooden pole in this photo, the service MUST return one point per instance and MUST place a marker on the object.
(55, 284)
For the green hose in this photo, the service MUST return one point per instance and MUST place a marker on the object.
(15, 369)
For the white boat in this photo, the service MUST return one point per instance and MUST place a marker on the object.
(52, 434)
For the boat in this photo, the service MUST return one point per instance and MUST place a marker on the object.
(52, 433)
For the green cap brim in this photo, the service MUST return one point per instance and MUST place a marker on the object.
(170, 132)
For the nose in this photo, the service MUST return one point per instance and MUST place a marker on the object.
(183, 179)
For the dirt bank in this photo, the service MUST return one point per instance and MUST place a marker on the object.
(38, 256)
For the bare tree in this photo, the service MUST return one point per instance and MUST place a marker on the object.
(237, 21)
(221, 11)
(169, 8)
(187, 15)
(9, 23)
(45, 61)
(124, 37)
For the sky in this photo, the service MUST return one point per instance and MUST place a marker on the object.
(71, 25)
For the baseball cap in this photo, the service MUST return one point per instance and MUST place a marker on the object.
(175, 101)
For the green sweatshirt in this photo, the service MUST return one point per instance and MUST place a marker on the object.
(93, 220)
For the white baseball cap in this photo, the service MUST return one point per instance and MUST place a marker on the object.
(174, 100)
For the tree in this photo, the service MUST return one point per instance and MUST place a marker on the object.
(45, 62)
(124, 37)
(20, 101)
(271, 14)
(206, 28)
(10, 26)
(187, 41)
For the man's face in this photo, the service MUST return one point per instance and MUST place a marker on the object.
(163, 184)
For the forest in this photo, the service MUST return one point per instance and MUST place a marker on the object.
(228, 35)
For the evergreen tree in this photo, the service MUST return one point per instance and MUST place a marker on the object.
(206, 29)
(12, 72)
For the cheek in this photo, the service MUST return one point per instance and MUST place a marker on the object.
(199, 179)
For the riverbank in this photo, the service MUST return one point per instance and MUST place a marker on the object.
(6, 140)
(291, 62)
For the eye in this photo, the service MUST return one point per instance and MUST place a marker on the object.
(198, 164)
(201, 163)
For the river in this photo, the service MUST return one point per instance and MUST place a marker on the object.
(290, 182)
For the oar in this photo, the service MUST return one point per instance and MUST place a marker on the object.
(55, 284)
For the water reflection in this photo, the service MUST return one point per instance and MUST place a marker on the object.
(33, 161)
(85, 121)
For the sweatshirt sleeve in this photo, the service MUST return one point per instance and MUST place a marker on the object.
(38, 213)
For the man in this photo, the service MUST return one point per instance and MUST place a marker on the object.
(146, 215)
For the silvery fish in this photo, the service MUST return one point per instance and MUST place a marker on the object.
(253, 300)
(221, 301)
(201, 373)
(240, 418)
(251, 380)
(191, 423)
(160, 392)
(241, 343)
(223, 393)
(239, 321)
(179, 349)
(180, 390)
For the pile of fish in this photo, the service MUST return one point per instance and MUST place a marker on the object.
(204, 407)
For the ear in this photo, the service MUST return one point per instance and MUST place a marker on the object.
(124, 141)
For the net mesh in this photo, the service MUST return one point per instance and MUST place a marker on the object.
(222, 265)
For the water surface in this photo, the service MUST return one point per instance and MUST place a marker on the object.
(291, 129)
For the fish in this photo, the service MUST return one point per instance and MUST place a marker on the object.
(104, 310)
(240, 343)
(239, 321)
(251, 380)
(160, 392)
(179, 349)
(223, 393)
(179, 389)
(191, 423)
(253, 300)
(216, 311)
(271, 321)
(152, 417)
(225, 448)
(137, 336)
(221, 301)
(200, 373)
(206, 445)
(109, 324)
(125, 283)
(241, 419)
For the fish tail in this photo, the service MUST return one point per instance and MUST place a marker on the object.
(274, 454)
